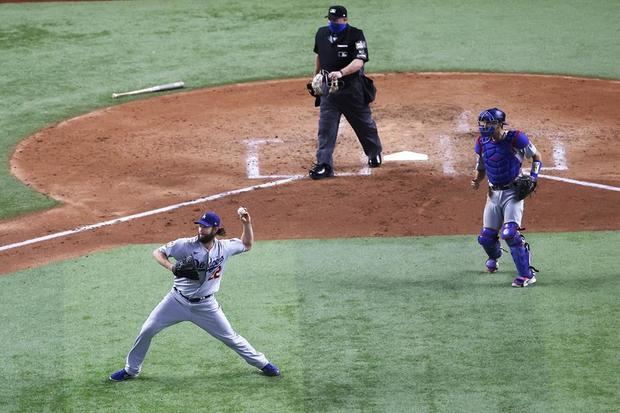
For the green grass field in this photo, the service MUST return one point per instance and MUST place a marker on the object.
(386, 325)
(397, 324)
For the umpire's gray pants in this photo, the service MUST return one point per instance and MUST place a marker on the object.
(206, 314)
(350, 103)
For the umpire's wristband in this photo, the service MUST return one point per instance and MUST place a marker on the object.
(536, 167)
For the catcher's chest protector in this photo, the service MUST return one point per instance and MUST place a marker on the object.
(500, 159)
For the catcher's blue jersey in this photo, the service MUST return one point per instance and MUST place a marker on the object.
(502, 159)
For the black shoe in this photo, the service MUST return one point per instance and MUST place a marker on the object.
(320, 171)
(375, 161)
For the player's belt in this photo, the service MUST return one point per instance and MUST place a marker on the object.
(502, 187)
(190, 299)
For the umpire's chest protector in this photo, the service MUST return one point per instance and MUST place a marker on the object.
(500, 159)
(337, 51)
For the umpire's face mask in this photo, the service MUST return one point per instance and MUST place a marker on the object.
(336, 27)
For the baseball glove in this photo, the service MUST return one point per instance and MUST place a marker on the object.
(315, 87)
(186, 268)
(310, 89)
(525, 186)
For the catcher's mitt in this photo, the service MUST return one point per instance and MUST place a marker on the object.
(186, 268)
(524, 186)
(315, 87)
(310, 89)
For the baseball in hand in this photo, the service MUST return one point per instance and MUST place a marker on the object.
(241, 211)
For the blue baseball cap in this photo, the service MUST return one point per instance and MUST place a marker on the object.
(209, 219)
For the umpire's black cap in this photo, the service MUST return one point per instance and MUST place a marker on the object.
(336, 12)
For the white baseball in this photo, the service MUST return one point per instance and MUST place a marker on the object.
(241, 211)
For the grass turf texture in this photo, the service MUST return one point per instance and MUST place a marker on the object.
(63, 59)
(396, 324)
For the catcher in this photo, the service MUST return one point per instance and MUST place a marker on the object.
(198, 269)
(500, 157)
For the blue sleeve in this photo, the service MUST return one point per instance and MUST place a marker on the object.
(478, 147)
(520, 140)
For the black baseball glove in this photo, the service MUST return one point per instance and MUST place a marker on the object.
(525, 186)
(186, 268)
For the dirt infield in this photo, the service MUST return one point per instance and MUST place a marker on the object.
(165, 150)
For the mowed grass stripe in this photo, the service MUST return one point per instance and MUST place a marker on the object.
(380, 324)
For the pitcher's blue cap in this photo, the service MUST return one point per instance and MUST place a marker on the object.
(209, 219)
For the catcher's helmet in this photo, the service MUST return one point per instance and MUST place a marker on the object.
(494, 115)
(489, 120)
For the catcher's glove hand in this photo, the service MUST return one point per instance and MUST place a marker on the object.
(186, 268)
(525, 186)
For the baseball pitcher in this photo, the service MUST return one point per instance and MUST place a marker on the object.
(198, 269)
(500, 154)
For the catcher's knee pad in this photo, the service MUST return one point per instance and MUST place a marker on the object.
(511, 234)
(519, 249)
(489, 240)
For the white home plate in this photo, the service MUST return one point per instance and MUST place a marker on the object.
(406, 156)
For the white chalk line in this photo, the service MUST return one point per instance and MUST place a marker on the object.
(252, 160)
(149, 213)
(252, 165)
(582, 183)
(446, 148)
(463, 124)
(559, 157)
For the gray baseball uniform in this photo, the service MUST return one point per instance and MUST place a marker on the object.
(502, 205)
(194, 301)
(500, 157)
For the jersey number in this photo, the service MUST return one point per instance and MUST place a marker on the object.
(216, 274)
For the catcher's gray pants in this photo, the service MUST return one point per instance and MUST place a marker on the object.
(501, 207)
(206, 314)
(350, 103)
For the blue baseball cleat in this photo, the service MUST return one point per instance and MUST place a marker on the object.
(121, 375)
(271, 370)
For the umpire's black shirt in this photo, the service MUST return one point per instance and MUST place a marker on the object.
(336, 51)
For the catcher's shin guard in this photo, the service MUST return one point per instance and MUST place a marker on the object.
(519, 249)
(489, 240)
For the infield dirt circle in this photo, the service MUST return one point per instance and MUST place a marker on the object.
(164, 150)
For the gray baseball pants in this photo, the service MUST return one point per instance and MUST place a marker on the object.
(206, 314)
(502, 207)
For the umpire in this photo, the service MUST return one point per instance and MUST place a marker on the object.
(341, 52)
